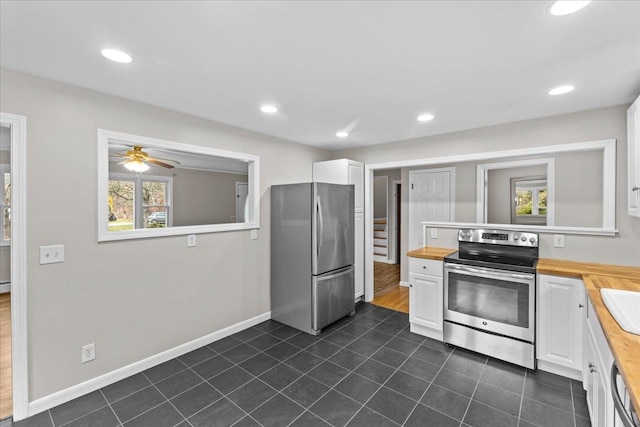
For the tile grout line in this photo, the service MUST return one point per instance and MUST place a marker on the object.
(524, 384)
(110, 407)
(428, 387)
(474, 392)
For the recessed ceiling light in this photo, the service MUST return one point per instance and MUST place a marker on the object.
(116, 55)
(425, 117)
(342, 134)
(561, 8)
(561, 90)
(269, 109)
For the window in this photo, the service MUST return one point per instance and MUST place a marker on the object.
(200, 197)
(5, 205)
(139, 202)
(529, 204)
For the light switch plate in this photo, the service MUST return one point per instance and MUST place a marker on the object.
(51, 254)
(434, 233)
(254, 234)
(191, 240)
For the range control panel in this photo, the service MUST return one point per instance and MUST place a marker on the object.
(498, 237)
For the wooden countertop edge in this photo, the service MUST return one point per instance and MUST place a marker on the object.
(430, 252)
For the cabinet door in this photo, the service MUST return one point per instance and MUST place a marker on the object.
(633, 157)
(356, 177)
(590, 375)
(425, 301)
(560, 309)
(359, 253)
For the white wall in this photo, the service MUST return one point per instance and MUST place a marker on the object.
(603, 123)
(132, 298)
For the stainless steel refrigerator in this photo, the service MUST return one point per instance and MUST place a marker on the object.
(312, 253)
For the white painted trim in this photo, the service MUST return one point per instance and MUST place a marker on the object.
(96, 383)
(380, 258)
(482, 175)
(368, 234)
(19, 342)
(104, 136)
(405, 284)
(393, 233)
(534, 228)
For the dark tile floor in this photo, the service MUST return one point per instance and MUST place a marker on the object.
(368, 370)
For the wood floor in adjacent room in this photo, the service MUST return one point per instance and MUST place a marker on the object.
(387, 290)
(6, 396)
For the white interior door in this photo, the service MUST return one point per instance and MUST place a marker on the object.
(430, 199)
(242, 190)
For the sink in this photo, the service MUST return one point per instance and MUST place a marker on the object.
(624, 306)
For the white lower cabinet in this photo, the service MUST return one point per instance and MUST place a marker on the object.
(560, 314)
(426, 297)
(596, 368)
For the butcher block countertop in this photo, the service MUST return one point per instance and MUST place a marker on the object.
(624, 346)
(429, 252)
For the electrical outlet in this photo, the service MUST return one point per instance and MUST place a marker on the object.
(558, 240)
(88, 353)
(434, 233)
(254, 234)
(191, 240)
(51, 254)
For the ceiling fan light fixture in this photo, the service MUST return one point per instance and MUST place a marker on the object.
(566, 7)
(342, 134)
(116, 56)
(136, 166)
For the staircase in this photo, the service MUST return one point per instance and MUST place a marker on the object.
(380, 239)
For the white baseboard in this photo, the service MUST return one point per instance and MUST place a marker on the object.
(380, 258)
(405, 284)
(73, 392)
(563, 371)
(5, 287)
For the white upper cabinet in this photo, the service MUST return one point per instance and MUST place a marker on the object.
(342, 171)
(633, 156)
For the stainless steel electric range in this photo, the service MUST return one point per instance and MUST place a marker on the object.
(490, 294)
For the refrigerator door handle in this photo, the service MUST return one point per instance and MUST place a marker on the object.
(320, 232)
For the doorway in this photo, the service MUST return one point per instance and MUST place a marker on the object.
(13, 328)
(242, 190)
(388, 291)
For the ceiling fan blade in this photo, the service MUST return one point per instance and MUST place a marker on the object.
(123, 162)
(163, 160)
(159, 163)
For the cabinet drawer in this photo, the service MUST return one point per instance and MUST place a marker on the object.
(426, 266)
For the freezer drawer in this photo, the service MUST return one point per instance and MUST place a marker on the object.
(332, 297)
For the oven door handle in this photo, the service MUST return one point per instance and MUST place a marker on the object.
(487, 271)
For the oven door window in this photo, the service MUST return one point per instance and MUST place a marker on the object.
(491, 299)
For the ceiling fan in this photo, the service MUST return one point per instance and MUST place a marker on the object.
(137, 160)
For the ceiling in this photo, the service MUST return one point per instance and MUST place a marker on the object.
(368, 67)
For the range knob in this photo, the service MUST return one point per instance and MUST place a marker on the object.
(523, 239)
(516, 236)
(532, 240)
(462, 234)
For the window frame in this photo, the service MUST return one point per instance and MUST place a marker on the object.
(138, 202)
(104, 235)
